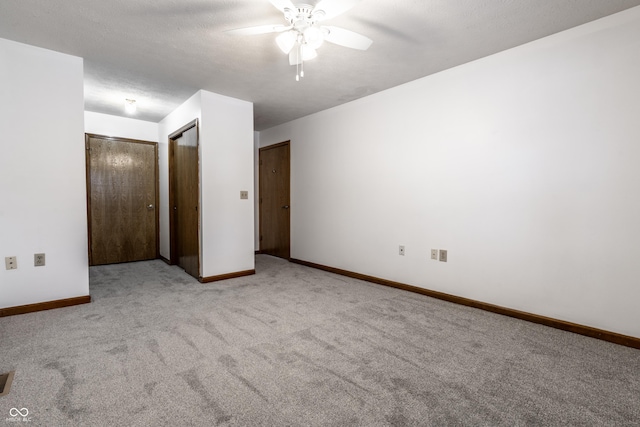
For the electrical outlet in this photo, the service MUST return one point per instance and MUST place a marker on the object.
(443, 255)
(401, 250)
(11, 263)
(244, 194)
(38, 260)
(434, 254)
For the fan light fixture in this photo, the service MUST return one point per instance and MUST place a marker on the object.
(313, 37)
(303, 37)
(303, 34)
(286, 41)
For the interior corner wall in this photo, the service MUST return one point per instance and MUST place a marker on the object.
(226, 167)
(523, 165)
(121, 127)
(42, 168)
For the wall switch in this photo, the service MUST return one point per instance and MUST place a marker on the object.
(11, 263)
(38, 260)
(443, 255)
(434, 254)
(244, 194)
(401, 250)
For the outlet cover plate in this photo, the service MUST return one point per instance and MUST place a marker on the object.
(38, 260)
(11, 263)
(244, 194)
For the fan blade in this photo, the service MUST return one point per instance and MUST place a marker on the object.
(347, 38)
(260, 29)
(281, 5)
(333, 8)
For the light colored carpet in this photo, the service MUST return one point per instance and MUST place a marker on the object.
(298, 346)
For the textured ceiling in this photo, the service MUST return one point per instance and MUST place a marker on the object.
(160, 52)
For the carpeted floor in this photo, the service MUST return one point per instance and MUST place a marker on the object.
(297, 346)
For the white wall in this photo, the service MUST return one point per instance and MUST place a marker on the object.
(226, 168)
(523, 165)
(42, 168)
(226, 150)
(121, 127)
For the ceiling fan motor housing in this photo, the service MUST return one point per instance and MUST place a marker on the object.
(303, 19)
(303, 16)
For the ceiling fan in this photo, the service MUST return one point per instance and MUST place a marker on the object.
(304, 34)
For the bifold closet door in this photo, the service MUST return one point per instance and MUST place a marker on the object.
(186, 200)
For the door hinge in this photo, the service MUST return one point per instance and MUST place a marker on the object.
(261, 238)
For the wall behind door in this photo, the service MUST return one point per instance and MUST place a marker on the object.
(123, 127)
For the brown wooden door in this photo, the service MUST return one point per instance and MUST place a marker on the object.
(274, 200)
(185, 198)
(122, 198)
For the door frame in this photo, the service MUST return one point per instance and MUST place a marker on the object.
(87, 137)
(173, 137)
(260, 188)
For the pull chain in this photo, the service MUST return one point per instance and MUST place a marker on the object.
(298, 48)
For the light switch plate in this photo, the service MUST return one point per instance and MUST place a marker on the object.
(244, 194)
(434, 254)
(443, 255)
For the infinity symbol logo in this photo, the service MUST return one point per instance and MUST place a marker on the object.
(14, 412)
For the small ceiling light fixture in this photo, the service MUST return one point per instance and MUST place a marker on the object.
(130, 106)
